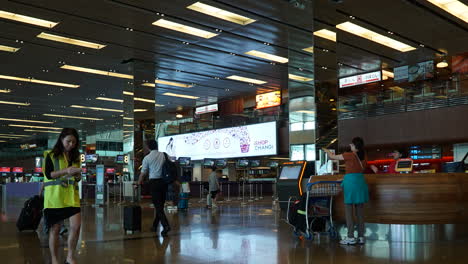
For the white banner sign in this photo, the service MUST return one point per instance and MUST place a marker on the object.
(361, 79)
(243, 141)
(206, 109)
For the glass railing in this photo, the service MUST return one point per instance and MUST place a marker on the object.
(405, 98)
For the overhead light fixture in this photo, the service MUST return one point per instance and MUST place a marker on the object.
(14, 135)
(128, 118)
(97, 108)
(8, 49)
(220, 13)
(13, 78)
(14, 103)
(332, 100)
(74, 117)
(442, 64)
(94, 71)
(5, 91)
(267, 56)
(125, 125)
(181, 95)
(326, 34)
(25, 120)
(299, 78)
(179, 116)
(70, 41)
(456, 8)
(387, 74)
(309, 49)
(167, 83)
(10, 137)
(42, 131)
(40, 127)
(140, 110)
(244, 79)
(27, 19)
(184, 29)
(109, 99)
(128, 93)
(373, 36)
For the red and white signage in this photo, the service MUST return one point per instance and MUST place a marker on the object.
(5, 169)
(361, 79)
(18, 169)
(206, 109)
(38, 170)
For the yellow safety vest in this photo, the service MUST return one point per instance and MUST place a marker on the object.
(61, 192)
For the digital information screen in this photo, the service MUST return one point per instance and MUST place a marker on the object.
(290, 172)
(243, 163)
(184, 161)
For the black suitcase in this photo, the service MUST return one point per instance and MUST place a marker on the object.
(31, 214)
(132, 215)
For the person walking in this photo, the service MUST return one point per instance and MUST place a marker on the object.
(152, 166)
(213, 188)
(61, 196)
(356, 192)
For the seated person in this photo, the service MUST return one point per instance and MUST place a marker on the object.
(396, 154)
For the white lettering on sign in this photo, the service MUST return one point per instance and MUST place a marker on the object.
(361, 79)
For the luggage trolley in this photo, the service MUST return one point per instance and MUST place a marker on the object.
(314, 209)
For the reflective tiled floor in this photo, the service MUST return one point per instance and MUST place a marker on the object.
(230, 234)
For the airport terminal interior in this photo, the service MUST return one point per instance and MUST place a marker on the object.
(253, 101)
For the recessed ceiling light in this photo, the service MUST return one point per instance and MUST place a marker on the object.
(220, 13)
(267, 56)
(13, 78)
(167, 83)
(97, 108)
(128, 118)
(5, 91)
(309, 49)
(181, 95)
(244, 79)
(373, 36)
(456, 8)
(299, 78)
(27, 19)
(8, 49)
(140, 110)
(125, 125)
(128, 93)
(70, 41)
(179, 116)
(326, 34)
(94, 71)
(14, 103)
(10, 137)
(442, 64)
(25, 120)
(109, 99)
(42, 131)
(74, 117)
(14, 135)
(41, 127)
(184, 29)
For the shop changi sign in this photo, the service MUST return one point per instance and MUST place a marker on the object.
(361, 79)
(243, 141)
(206, 109)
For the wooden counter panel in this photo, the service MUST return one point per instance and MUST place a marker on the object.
(412, 198)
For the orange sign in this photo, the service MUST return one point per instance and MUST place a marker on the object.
(268, 99)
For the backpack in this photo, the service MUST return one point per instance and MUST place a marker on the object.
(169, 170)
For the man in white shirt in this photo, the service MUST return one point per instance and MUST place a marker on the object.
(152, 166)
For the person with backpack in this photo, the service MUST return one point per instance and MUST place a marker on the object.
(155, 165)
(356, 191)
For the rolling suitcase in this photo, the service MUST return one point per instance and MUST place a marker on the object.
(31, 214)
(132, 216)
(183, 200)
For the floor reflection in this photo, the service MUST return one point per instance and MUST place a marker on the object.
(230, 234)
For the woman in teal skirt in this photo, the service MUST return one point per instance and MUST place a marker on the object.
(356, 192)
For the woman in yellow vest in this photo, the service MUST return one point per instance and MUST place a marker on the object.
(62, 173)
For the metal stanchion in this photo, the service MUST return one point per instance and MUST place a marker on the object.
(228, 197)
(250, 196)
(261, 191)
(201, 193)
(256, 191)
(108, 194)
(243, 194)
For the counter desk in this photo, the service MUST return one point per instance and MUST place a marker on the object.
(429, 198)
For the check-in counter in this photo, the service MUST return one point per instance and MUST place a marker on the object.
(429, 198)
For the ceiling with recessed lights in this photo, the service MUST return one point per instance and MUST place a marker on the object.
(78, 52)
